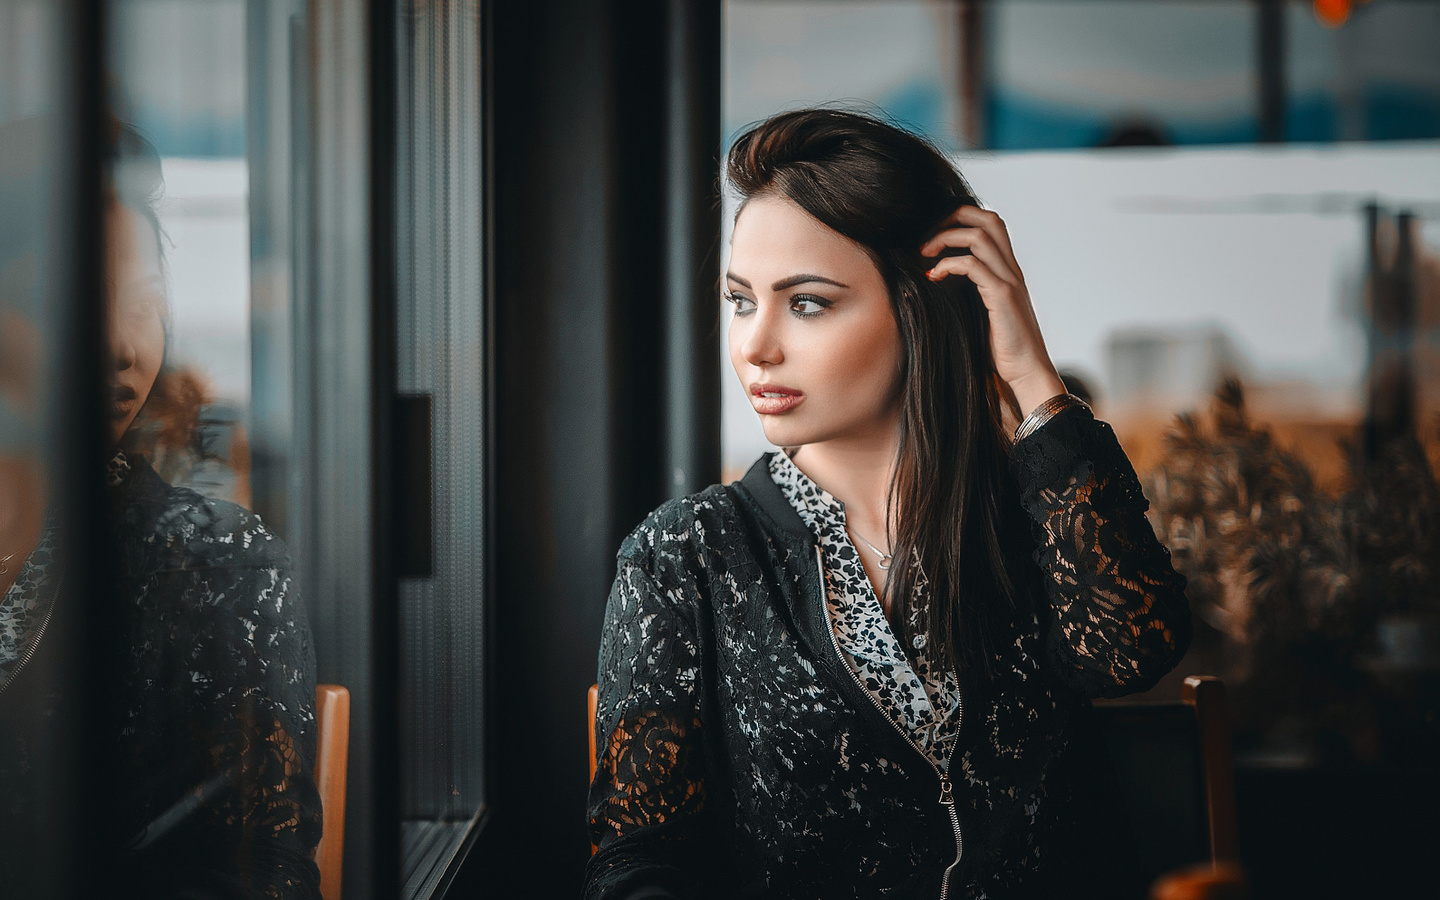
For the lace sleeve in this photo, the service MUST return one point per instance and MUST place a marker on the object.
(238, 708)
(1118, 616)
(648, 795)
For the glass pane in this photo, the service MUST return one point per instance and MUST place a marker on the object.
(41, 706)
(217, 687)
(441, 362)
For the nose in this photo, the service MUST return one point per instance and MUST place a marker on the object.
(760, 345)
(122, 346)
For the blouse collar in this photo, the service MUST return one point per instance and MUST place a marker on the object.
(117, 469)
(817, 507)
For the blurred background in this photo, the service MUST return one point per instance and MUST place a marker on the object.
(1228, 215)
(441, 293)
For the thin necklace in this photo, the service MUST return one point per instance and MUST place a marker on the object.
(5, 561)
(885, 558)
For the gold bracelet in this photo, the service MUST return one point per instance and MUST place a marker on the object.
(1045, 412)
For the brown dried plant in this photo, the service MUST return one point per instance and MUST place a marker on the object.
(1259, 543)
(1291, 579)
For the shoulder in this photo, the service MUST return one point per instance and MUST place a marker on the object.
(169, 527)
(687, 526)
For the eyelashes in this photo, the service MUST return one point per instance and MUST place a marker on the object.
(736, 300)
(804, 306)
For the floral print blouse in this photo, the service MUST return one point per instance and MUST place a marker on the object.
(920, 701)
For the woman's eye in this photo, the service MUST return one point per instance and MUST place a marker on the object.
(808, 306)
(741, 304)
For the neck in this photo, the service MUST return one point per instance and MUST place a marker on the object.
(857, 471)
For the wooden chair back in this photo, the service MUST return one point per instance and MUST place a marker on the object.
(1176, 777)
(591, 695)
(332, 756)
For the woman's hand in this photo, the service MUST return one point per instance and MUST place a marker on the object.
(1022, 363)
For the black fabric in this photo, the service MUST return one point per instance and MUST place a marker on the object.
(216, 701)
(738, 756)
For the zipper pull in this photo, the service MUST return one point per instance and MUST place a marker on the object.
(946, 797)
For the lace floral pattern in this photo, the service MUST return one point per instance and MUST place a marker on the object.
(214, 723)
(1107, 577)
(221, 649)
(738, 756)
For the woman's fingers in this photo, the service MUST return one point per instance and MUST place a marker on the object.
(981, 244)
(974, 268)
(988, 222)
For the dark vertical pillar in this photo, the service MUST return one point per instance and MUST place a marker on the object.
(692, 253)
(377, 28)
(556, 235)
(603, 312)
(1270, 68)
(974, 89)
(89, 806)
(83, 447)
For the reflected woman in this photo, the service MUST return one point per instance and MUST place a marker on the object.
(865, 669)
(214, 723)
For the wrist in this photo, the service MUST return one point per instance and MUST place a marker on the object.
(1045, 412)
(1031, 392)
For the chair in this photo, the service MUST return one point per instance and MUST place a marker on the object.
(592, 694)
(1204, 882)
(332, 745)
(1176, 777)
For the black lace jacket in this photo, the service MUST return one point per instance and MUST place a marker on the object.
(738, 756)
(213, 721)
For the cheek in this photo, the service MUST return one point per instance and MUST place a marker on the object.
(734, 338)
(867, 361)
(150, 350)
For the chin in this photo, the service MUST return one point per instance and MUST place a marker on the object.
(787, 434)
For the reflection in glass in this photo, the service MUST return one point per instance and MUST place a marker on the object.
(213, 723)
(217, 722)
(36, 740)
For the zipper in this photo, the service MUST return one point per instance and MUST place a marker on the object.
(947, 795)
(34, 644)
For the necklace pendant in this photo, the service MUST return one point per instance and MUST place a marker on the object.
(885, 561)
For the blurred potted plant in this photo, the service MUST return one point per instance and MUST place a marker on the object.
(1307, 595)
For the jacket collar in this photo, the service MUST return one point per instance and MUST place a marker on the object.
(767, 495)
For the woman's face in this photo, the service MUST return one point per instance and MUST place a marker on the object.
(135, 288)
(813, 340)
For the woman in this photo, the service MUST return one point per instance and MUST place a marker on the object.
(213, 713)
(863, 670)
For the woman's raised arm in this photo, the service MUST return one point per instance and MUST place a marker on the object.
(1118, 615)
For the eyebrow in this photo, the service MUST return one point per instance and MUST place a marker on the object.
(790, 282)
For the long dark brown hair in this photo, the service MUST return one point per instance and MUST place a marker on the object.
(889, 191)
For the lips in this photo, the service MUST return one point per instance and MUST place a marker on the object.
(774, 399)
(122, 397)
